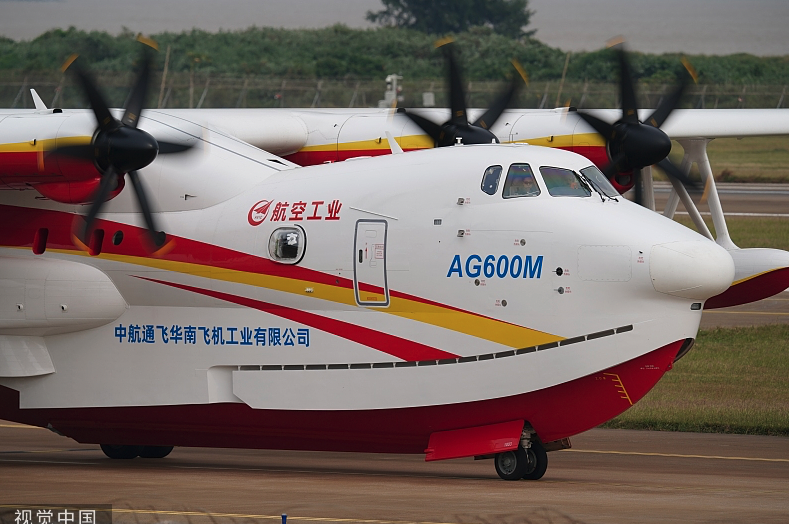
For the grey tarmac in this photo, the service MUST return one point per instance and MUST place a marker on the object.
(765, 199)
(610, 476)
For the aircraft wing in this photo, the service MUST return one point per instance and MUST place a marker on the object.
(715, 123)
(304, 133)
(287, 131)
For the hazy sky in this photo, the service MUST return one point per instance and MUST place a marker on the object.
(691, 26)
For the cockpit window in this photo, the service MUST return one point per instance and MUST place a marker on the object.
(520, 182)
(490, 180)
(599, 181)
(564, 182)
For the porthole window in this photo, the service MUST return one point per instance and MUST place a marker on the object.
(490, 180)
(287, 245)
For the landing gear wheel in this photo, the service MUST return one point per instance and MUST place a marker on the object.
(155, 452)
(120, 452)
(537, 462)
(511, 465)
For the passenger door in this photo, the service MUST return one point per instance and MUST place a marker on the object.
(369, 264)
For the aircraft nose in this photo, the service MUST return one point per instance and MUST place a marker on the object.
(697, 269)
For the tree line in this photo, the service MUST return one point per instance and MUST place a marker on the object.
(341, 52)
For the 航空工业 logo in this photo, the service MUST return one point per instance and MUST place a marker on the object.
(294, 211)
(258, 212)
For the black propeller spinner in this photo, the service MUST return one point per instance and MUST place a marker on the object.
(457, 128)
(118, 147)
(632, 144)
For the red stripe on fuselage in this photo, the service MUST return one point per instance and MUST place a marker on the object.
(33, 167)
(393, 345)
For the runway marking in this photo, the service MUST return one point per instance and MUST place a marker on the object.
(746, 312)
(264, 517)
(73, 463)
(50, 450)
(645, 454)
(767, 215)
(736, 491)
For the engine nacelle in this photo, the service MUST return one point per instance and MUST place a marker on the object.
(77, 192)
(43, 296)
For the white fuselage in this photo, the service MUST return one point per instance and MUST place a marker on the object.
(405, 259)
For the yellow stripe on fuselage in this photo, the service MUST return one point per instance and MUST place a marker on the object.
(586, 139)
(44, 144)
(406, 142)
(497, 331)
(425, 142)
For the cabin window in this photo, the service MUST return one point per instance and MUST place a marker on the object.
(287, 245)
(599, 181)
(520, 182)
(490, 180)
(564, 182)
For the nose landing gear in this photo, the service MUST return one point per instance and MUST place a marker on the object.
(523, 463)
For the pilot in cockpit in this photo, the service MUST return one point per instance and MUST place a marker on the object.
(520, 182)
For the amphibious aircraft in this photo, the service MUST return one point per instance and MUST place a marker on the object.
(445, 301)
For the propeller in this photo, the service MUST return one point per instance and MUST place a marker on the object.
(457, 128)
(119, 147)
(632, 144)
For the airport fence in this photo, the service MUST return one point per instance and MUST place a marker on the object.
(184, 90)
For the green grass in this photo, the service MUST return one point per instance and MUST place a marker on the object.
(735, 380)
(749, 160)
(751, 231)
(762, 159)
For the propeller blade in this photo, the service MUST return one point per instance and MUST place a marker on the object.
(136, 100)
(626, 87)
(109, 181)
(432, 129)
(158, 237)
(457, 95)
(611, 170)
(676, 173)
(166, 148)
(669, 104)
(605, 129)
(100, 109)
(493, 113)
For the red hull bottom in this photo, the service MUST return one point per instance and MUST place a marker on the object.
(556, 412)
(751, 290)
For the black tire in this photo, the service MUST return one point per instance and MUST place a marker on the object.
(115, 451)
(537, 462)
(155, 452)
(511, 465)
